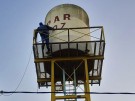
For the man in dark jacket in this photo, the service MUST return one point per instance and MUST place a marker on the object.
(43, 30)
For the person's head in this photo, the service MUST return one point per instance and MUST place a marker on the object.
(40, 24)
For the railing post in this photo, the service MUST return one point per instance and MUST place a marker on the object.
(68, 42)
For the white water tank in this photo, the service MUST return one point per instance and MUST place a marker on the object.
(68, 16)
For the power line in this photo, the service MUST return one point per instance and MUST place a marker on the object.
(28, 92)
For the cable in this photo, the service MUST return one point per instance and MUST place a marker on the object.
(2, 92)
(28, 92)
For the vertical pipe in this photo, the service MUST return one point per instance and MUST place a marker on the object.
(100, 69)
(102, 32)
(64, 88)
(60, 49)
(95, 48)
(75, 83)
(77, 48)
(42, 48)
(52, 82)
(45, 74)
(68, 36)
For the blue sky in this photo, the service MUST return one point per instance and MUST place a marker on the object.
(19, 18)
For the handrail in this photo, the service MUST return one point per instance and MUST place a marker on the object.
(102, 36)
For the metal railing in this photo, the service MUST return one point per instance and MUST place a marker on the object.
(94, 47)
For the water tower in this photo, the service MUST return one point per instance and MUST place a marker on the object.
(77, 53)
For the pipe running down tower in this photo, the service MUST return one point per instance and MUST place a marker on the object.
(77, 53)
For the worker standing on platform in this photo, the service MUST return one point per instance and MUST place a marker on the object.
(43, 30)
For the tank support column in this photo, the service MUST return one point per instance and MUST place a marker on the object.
(86, 82)
(52, 82)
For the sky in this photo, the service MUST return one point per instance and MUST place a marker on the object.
(18, 19)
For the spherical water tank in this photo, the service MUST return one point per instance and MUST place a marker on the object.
(68, 16)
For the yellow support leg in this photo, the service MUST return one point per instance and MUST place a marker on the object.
(86, 82)
(52, 82)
